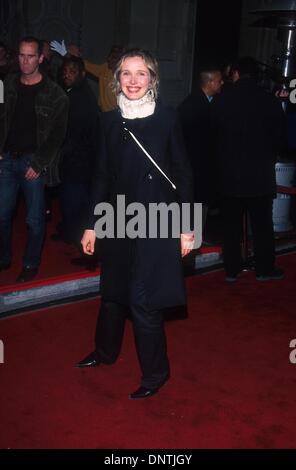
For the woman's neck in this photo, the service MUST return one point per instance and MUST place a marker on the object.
(132, 109)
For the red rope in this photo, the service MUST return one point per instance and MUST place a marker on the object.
(285, 190)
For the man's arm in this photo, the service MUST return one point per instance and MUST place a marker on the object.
(94, 69)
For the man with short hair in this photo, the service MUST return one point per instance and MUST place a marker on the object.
(33, 120)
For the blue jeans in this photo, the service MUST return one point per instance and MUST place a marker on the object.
(12, 178)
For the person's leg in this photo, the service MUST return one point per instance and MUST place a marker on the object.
(109, 331)
(35, 202)
(9, 185)
(260, 210)
(48, 203)
(150, 339)
(108, 336)
(151, 347)
(232, 216)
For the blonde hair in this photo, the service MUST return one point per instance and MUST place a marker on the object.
(150, 62)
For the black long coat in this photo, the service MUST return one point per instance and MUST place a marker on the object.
(81, 143)
(124, 169)
(195, 116)
(248, 125)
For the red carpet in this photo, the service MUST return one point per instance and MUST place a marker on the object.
(56, 256)
(232, 384)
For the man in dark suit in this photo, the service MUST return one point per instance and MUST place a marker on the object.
(195, 118)
(249, 130)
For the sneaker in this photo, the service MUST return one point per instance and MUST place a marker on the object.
(275, 275)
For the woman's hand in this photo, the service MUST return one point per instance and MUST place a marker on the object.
(88, 242)
(187, 242)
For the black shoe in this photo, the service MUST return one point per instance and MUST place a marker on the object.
(276, 274)
(27, 274)
(91, 360)
(143, 392)
(4, 266)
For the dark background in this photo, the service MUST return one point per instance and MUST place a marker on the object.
(217, 32)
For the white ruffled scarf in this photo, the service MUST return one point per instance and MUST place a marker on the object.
(132, 109)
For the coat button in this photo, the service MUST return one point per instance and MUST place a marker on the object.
(150, 177)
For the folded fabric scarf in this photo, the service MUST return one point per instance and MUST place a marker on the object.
(132, 109)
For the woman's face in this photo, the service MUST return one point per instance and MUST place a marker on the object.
(134, 78)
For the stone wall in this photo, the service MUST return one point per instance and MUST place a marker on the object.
(165, 27)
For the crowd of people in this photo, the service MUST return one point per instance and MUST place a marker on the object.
(63, 146)
(219, 146)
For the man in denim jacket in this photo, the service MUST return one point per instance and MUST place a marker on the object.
(33, 121)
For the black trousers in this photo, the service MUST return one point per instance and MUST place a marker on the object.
(260, 213)
(150, 340)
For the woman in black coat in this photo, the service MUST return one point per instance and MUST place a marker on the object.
(142, 275)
